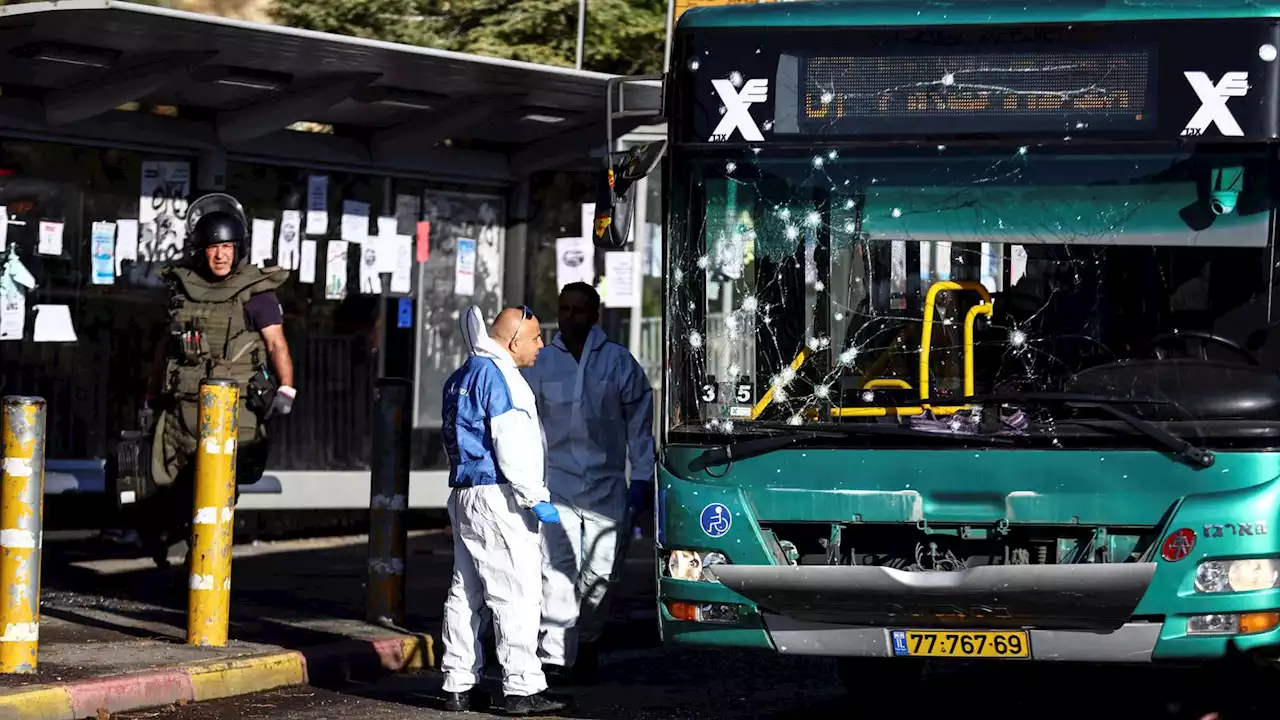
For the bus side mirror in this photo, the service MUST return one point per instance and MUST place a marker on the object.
(616, 191)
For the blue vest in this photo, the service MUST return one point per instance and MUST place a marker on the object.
(476, 392)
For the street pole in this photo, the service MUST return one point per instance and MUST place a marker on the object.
(212, 530)
(582, 30)
(21, 524)
(388, 500)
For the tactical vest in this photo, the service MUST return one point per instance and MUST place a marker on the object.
(227, 348)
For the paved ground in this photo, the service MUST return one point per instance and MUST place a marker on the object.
(650, 685)
(313, 583)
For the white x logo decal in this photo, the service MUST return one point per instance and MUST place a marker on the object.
(737, 115)
(1213, 102)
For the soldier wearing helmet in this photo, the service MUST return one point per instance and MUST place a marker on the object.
(225, 321)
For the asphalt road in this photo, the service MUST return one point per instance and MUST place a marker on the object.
(648, 684)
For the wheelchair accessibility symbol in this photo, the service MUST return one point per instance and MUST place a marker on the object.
(716, 520)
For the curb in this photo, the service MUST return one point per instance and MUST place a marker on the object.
(211, 680)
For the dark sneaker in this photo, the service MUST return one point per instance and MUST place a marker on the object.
(536, 704)
(457, 702)
(466, 701)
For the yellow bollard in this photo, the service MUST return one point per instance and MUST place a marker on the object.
(209, 598)
(21, 515)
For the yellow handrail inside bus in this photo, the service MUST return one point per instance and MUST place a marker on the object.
(768, 395)
(926, 336)
(879, 411)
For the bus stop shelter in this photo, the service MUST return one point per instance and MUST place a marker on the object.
(419, 134)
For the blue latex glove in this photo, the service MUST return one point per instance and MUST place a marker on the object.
(546, 512)
(640, 495)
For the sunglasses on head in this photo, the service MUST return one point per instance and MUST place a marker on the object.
(527, 313)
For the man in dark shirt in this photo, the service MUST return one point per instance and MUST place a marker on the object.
(225, 321)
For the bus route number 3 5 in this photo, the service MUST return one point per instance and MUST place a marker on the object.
(741, 392)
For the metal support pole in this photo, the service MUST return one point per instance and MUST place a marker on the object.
(388, 499)
(582, 31)
(21, 518)
(209, 598)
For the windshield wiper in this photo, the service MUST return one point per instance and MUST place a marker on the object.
(756, 447)
(1184, 451)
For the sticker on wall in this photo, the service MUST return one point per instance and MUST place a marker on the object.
(13, 316)
(355, 221)
(126, 242)
(402, 274)
(102, 253)
(50, 238)
(317, 204)
(464, 272)
(716, 520)
(404, 313)
(387, 244)
(335, 270)
(264, 232)
(575, 261)
(307, 266)
(370, 281)
(424, 241)
(53, 324)
(290, 237)
(162, 209)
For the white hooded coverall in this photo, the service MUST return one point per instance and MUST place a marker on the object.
(496, 456)
(597, 414)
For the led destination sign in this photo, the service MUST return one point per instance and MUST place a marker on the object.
(976, 93)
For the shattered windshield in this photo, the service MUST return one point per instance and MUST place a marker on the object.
(801, 282)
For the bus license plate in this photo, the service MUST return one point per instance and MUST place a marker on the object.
(970, 644)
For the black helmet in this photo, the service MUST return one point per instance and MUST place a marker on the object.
(215, 219)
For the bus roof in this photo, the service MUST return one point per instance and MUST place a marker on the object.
(903, 13)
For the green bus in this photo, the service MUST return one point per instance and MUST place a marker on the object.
(970, 327)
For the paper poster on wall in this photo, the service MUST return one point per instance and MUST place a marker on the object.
(15, 275)
(13, 316)
(307, 266)
(335, 270)
(575, 261)
(50, 238)
(370, 281)
(53, 324)
(402, 252)
(290, 237)
(620, 273)
(102, 253)
(317, 204)
(126, 241)
(162, 209)
(263, 237)
(4, 227)
(355, 221)
(424, 241)
(387, 244)
(464, 273)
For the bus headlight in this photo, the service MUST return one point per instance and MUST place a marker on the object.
(1223, 576)
(690, 564)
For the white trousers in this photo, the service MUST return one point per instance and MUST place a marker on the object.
(578, 567)
(496, 563)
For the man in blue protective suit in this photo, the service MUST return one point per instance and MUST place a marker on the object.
(596, 406)
(496, 469)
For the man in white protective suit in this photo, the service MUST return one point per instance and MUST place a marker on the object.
(496, 469)
(596, 406)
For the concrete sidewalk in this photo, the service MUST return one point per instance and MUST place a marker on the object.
(113, 631)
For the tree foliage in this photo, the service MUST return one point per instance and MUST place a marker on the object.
(623, 36)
